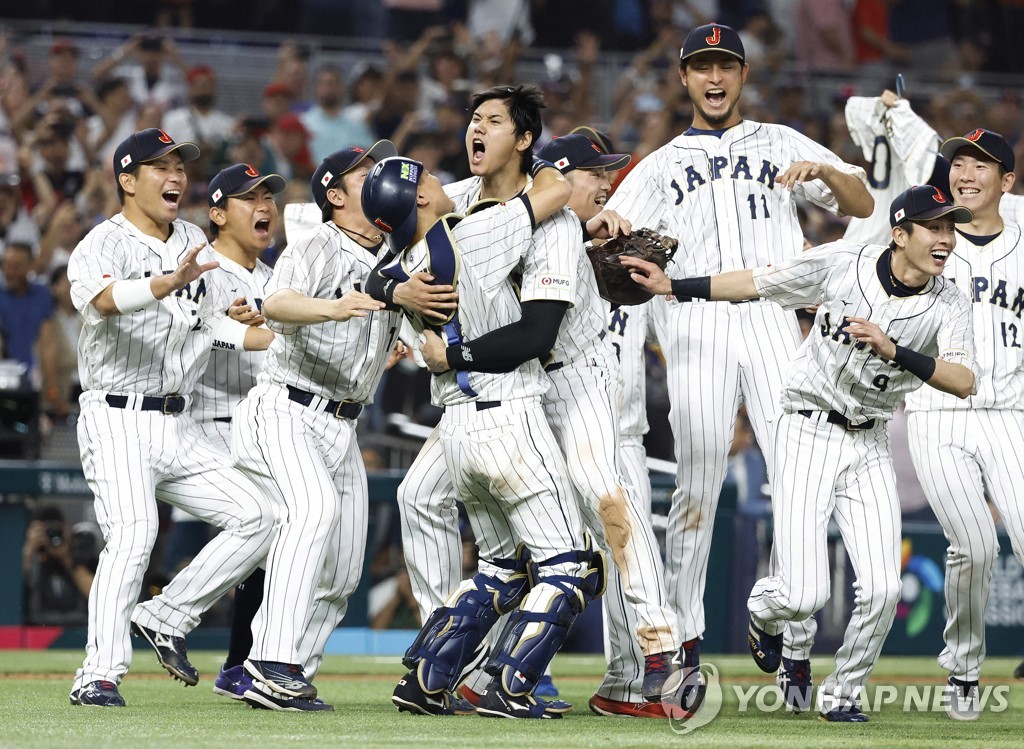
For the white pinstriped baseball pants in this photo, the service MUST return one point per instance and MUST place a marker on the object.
(962, 457)
(131, 459)
(308, 460)
(822, 471)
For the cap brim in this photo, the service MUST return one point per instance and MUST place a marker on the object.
(949, 148)
(187, 151)
(959, 214)
(382, 149)
(709, 48)
(609, 161)
(274, 182)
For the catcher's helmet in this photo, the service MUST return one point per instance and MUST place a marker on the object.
(389, 198)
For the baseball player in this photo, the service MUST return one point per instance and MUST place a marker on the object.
(726, 189)
(295, 432)
(901, 150)
(582, 408)
(504, 461)
(243, 219)
(966, 451)
(886, 322)
(151, 316)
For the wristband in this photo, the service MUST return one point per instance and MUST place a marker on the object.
(685, 289)
(538, 164)
(131, 296)
(919, 365)
(229, 334)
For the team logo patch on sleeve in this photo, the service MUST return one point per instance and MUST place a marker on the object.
(555, 282)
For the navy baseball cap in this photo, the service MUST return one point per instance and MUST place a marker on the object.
(339, 163)
(389, 198)
(923, 202)
(239, 179)
(595, 135)
(577, 151)
(989, 143)
(149, 145)
(712, 37)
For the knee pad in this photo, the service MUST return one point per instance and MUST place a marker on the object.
(450, 639)
(536, 631)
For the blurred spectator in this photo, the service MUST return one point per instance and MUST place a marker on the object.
(63, 233)
(26, 320)
(67, 326)
(367, 90)
(874, 50)
(293, 71)
(53, 146)
(16, 224)
(58, 566)
(451, 130)
(398, 113)
(156, 73)
(427, 149)
(114, 119)
(825, 37)
(289, 145)
(276, 101)
(199, 122)
(406, 18)
(330, 128)
(764, 45)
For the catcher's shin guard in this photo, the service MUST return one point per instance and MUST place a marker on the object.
(450, 640)
(535, 631)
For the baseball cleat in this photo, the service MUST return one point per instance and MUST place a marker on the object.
(98, 694)
(170, 653)
(794, 679)
(844, 715)
(616, 709)
(409, 697)
(962, 699)
(545, 687)
(551, 706)
(232, 682)
(1018, 673)
(495, 702)
(285, 679)
(261, 698)
(661, 674)
(765, 649)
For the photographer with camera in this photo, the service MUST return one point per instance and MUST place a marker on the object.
(58, 568)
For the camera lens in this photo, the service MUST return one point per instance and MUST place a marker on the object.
(56, 536)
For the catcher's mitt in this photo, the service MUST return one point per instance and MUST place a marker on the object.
(613, 279)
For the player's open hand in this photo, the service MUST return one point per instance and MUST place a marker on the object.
(608, 224)
(804, 171)
(245, 313)
(648, 275)
(868, 332)
(433, 350)
(190, 268)
(354, 304)
(418, 294)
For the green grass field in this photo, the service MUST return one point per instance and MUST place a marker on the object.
(34, 712)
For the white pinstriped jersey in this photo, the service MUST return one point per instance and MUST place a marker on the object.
(1011, 208)
(832, 369)
(719, 196)
(491, 243)
(163, 348)
(992, 278)
(900, 149)
(230, 375)
(629, 328)
(335, 360)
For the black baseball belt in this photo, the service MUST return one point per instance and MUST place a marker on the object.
(338, 409)
(834, 417)
(166, 404)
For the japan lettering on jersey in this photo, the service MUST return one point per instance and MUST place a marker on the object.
(335, 360)
(835, 371)
(900, 149)
(158, 350)
(231, 374)
(719, 196)
(992, 278)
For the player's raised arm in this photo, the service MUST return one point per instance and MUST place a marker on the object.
(125, 297)
(289, 307)
(949, 377)
(550, 192)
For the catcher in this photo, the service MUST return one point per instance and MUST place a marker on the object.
(581, 407)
